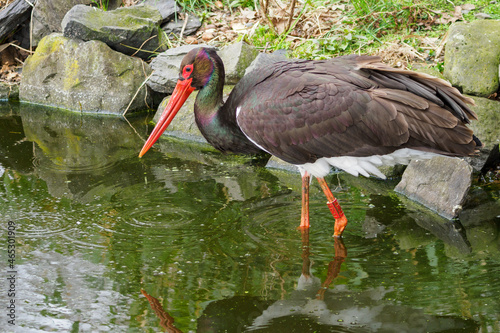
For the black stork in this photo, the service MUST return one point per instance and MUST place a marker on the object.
(352, 112)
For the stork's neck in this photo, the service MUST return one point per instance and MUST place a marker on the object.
(216, 121)
(209, 100)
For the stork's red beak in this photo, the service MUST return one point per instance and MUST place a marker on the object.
(181, 92)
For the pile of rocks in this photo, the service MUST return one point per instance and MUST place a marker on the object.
(88, 59)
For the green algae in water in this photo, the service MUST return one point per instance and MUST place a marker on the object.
(213, 242)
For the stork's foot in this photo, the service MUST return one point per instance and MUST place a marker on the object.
(333, 204)
(338, 215)
(340, 225)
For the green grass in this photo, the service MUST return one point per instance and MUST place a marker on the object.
(102, 4)
(197, 6)
(365, 26)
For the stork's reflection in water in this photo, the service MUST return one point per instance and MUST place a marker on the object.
(318, 306)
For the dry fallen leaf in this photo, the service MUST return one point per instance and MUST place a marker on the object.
(239, 27)
(468, 6)
(279, 25)
(248, 13)
(339, 7)
(207, 36)
(219, 4)
(191, 40)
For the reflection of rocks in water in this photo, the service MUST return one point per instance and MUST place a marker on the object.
(73, 149)
(476, 229)
(482, 220)
(15, 152)
(69, 141)
(372, 227)
(88, 301)
(410, 223)
(410, 226)
(232, 314)
(238, 186)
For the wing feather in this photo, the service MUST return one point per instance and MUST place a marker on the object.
(353, 106)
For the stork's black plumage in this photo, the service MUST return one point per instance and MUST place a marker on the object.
(352, 112)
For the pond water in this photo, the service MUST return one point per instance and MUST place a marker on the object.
(189, 240)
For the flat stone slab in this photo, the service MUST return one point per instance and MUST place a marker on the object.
(167, 8)
(237, 58)
(126, 29)
(175, 26)
(440, 184)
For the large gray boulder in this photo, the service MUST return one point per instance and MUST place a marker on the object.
(472, 57)
(84, 76)
(126, 30)
(440, 184)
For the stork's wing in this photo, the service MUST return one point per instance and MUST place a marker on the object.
(352, 106)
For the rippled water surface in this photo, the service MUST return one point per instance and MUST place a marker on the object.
(189, 240)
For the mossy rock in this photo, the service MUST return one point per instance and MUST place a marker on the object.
(472, 57)
(127, 29)
(487, 127)
(84, 76)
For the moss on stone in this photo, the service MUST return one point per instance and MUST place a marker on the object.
(472, 57)
(83, 76)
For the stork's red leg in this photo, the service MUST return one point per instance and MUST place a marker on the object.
(304, 216)
(338, 214)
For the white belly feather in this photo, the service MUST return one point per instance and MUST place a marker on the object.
(364, 165)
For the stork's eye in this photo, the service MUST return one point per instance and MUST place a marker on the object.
(187, 71)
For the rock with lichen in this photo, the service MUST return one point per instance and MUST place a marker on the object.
(130, 30)
(472, 57)
(84, 76)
